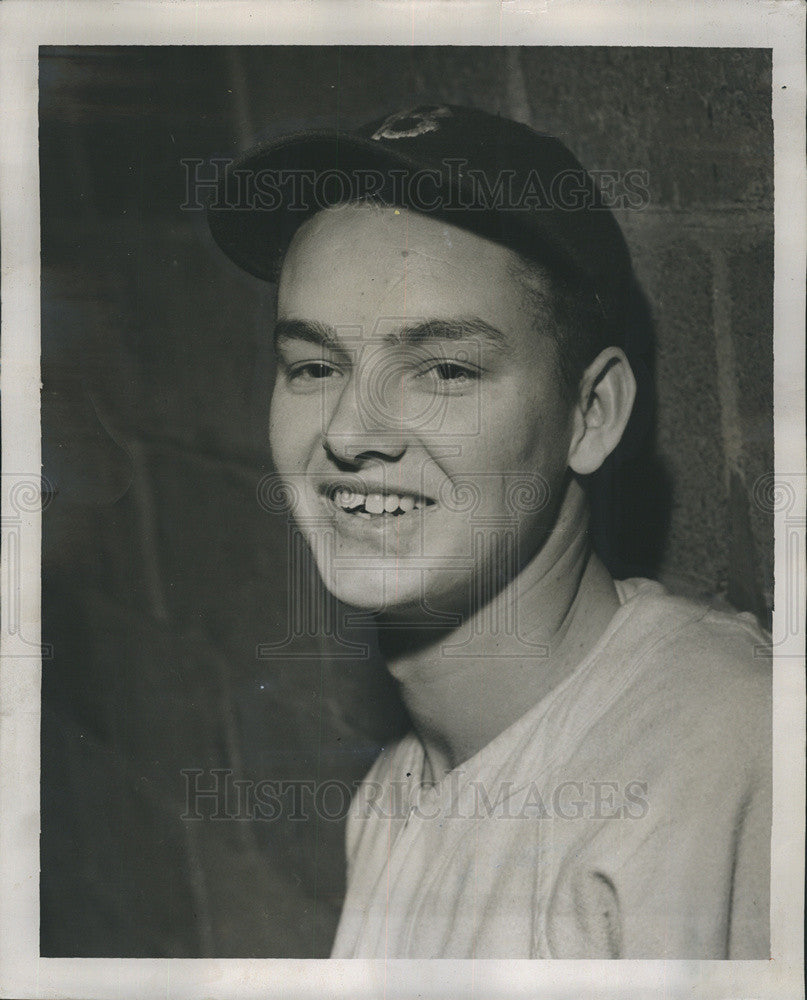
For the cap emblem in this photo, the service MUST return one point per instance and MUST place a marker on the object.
(409, 124)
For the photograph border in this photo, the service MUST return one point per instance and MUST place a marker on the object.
(27, 24)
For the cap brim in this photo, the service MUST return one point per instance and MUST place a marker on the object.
(253, 218)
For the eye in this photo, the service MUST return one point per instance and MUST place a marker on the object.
(450, 376)
(313, 369)
(449, 371)
(307, 374)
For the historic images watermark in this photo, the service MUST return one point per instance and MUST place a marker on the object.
(395, 368)
(218, 795)
(782, 495)
(24, 496)
(215, 183)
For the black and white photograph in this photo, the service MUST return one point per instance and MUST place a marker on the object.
(419, 514)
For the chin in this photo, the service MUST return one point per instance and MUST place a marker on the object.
(416, 596)
(375, 588)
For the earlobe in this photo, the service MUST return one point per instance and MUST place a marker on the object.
(606, 395)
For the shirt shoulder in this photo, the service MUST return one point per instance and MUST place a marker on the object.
(701, 674)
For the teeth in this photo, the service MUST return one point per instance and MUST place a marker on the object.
(344, 498)
(374, 504)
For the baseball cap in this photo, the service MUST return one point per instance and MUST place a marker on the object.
(482, 172)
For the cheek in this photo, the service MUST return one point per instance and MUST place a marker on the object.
(524, 431)
(292, 434)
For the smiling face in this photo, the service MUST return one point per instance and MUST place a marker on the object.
(417, 416)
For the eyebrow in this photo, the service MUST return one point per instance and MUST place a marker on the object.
(311, 332)
(464, 328)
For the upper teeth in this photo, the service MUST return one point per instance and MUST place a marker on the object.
(375, 503)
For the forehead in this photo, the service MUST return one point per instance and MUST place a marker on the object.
(355, 264)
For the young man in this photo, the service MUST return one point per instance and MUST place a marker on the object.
(588, 773)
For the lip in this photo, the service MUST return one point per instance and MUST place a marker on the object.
(356, 484)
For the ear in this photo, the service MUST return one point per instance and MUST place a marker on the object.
(604, 403)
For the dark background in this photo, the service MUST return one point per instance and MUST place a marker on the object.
(162, 571)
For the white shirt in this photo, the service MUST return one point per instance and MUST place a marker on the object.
(626, 815)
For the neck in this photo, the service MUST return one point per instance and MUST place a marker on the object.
(463, 686)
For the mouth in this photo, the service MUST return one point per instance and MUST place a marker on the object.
(374, 504)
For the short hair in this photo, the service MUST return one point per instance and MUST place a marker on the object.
(577, 323)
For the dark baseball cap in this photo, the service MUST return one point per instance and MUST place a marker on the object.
(485, 173)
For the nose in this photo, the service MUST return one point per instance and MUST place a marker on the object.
(364, 425)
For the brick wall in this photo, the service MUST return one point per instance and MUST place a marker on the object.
(163, 574)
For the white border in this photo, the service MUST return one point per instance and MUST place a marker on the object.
(26, 24)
